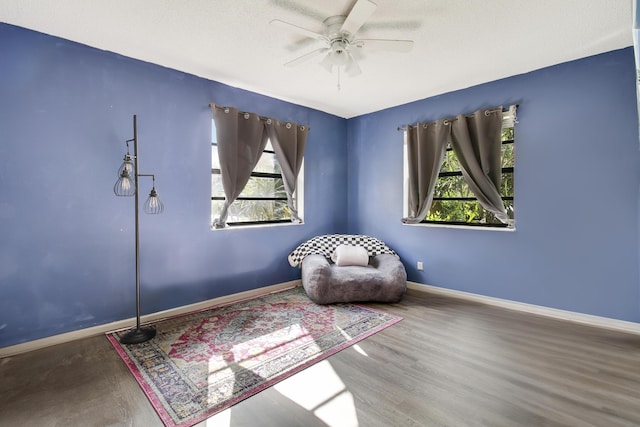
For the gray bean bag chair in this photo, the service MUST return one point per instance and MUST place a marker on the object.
(376, 275)
(383, 280)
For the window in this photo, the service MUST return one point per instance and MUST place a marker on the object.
(262, 201)
(453, 201)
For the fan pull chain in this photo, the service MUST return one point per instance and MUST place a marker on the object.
(339, 87)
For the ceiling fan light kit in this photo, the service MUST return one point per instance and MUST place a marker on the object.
(340, 42)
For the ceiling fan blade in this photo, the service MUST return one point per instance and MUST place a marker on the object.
(352, 69)
(360, 12)
(386, 45)
(306, 57)
(299, 30)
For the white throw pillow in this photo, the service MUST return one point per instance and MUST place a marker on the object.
(350, 255)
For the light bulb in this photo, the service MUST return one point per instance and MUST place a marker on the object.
(153, 204)
(124, 185)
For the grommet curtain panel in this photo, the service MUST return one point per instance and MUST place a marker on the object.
(289, 142)
(476, 140)
(241, 139)
(426, 145)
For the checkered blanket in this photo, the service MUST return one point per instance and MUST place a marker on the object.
(327, 244)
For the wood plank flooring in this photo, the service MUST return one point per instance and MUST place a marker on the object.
(448, 363)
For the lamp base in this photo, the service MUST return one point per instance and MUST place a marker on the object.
(138, 336)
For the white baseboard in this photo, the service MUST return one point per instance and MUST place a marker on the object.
(587, 319)
(128, 323)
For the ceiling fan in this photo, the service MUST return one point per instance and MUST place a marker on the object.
(340, 41)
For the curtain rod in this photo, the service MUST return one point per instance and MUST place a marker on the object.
(488, 111)
(219, 107)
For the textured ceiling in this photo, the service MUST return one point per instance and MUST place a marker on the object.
(458, 43)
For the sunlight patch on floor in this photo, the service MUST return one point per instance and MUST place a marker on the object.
(221, 419)
(356, 347)
(359, 349)
(319, 389)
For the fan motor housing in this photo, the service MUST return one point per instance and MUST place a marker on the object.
(339, 45)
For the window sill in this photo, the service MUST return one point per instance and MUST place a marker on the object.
(463, 227)
(250, 226)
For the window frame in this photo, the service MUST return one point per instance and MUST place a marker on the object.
(508, 121)
(297, 195)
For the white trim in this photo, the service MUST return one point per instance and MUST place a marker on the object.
(405, 176)
(258, 225)
(572, 316)
(298, 195)
(461, 227)
(588, 319)
(128, 323)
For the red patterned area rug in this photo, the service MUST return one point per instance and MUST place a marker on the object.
(204, 362)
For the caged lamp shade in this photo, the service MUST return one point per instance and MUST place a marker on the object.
(127, 164)
(125, 185)
(153, 205)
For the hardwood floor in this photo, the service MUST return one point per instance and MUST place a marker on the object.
(448, 363)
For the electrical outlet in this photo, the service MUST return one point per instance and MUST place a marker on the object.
(420, 265)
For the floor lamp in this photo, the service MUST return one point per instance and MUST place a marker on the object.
(127, 185)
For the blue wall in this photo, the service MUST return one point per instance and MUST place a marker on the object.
(67, 242)
(576, 180)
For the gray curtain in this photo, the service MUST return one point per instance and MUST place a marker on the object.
(288, 141)
(426, 145)
(477, 142)
(241, 138)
